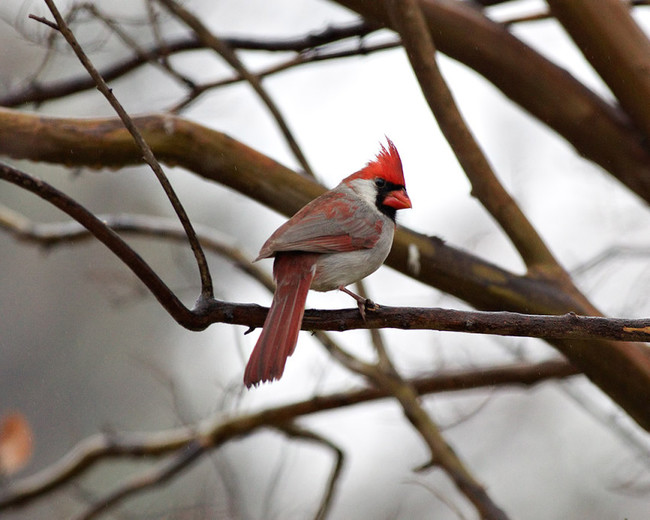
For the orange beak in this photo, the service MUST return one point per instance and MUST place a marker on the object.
(398, 199)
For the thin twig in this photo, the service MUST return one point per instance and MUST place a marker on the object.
(295, 431)
(207, 291)
(141, 53)
(311, 48)
(147, 479)
(45, 21)
(226, 52)
(303, 58)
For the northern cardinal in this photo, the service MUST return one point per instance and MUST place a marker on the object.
(337, 239)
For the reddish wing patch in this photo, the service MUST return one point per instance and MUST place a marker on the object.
(327, 225)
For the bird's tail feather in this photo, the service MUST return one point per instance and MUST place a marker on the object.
(293, 274)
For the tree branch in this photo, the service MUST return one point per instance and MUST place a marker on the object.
(420, 48)
(214, 432)
(616, 47)
(207, 290)
(540, 87)
(294, 431)
(148, 479)
(38, 93)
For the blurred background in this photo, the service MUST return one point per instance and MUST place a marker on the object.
(84, 348)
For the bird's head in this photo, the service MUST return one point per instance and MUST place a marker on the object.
(382, 181)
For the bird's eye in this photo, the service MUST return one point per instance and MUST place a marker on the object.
(379, 182)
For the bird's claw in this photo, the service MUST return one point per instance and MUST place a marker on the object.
(366, 305)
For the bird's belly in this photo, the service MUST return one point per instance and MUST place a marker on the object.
(341, 269)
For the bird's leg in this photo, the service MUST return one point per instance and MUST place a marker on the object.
(362, 303)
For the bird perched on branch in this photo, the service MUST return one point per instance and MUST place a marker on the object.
(337, 239)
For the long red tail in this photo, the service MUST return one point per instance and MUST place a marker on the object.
(293, 275)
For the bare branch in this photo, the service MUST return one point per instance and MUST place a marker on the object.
(141, 53)
(148, 479)
(384, 375)
(311, 48)
(293, 430)
(207, 290)
(616, 47)
(569, 326)
(44, 21)
(216, 431)
(303, 58)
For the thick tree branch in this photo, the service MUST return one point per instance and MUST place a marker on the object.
(616, 47)
(408, 20)
(546, 91)
(215, 156)
(214, 432)
(104, 228)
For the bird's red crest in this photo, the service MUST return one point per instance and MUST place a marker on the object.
(387, 164)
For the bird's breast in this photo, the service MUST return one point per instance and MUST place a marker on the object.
(341, 269)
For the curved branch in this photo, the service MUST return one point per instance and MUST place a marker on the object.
(299, 432)
(214, 432)
(146, 480)
(104, 234)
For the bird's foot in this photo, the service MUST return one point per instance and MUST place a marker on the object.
(364, 304)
